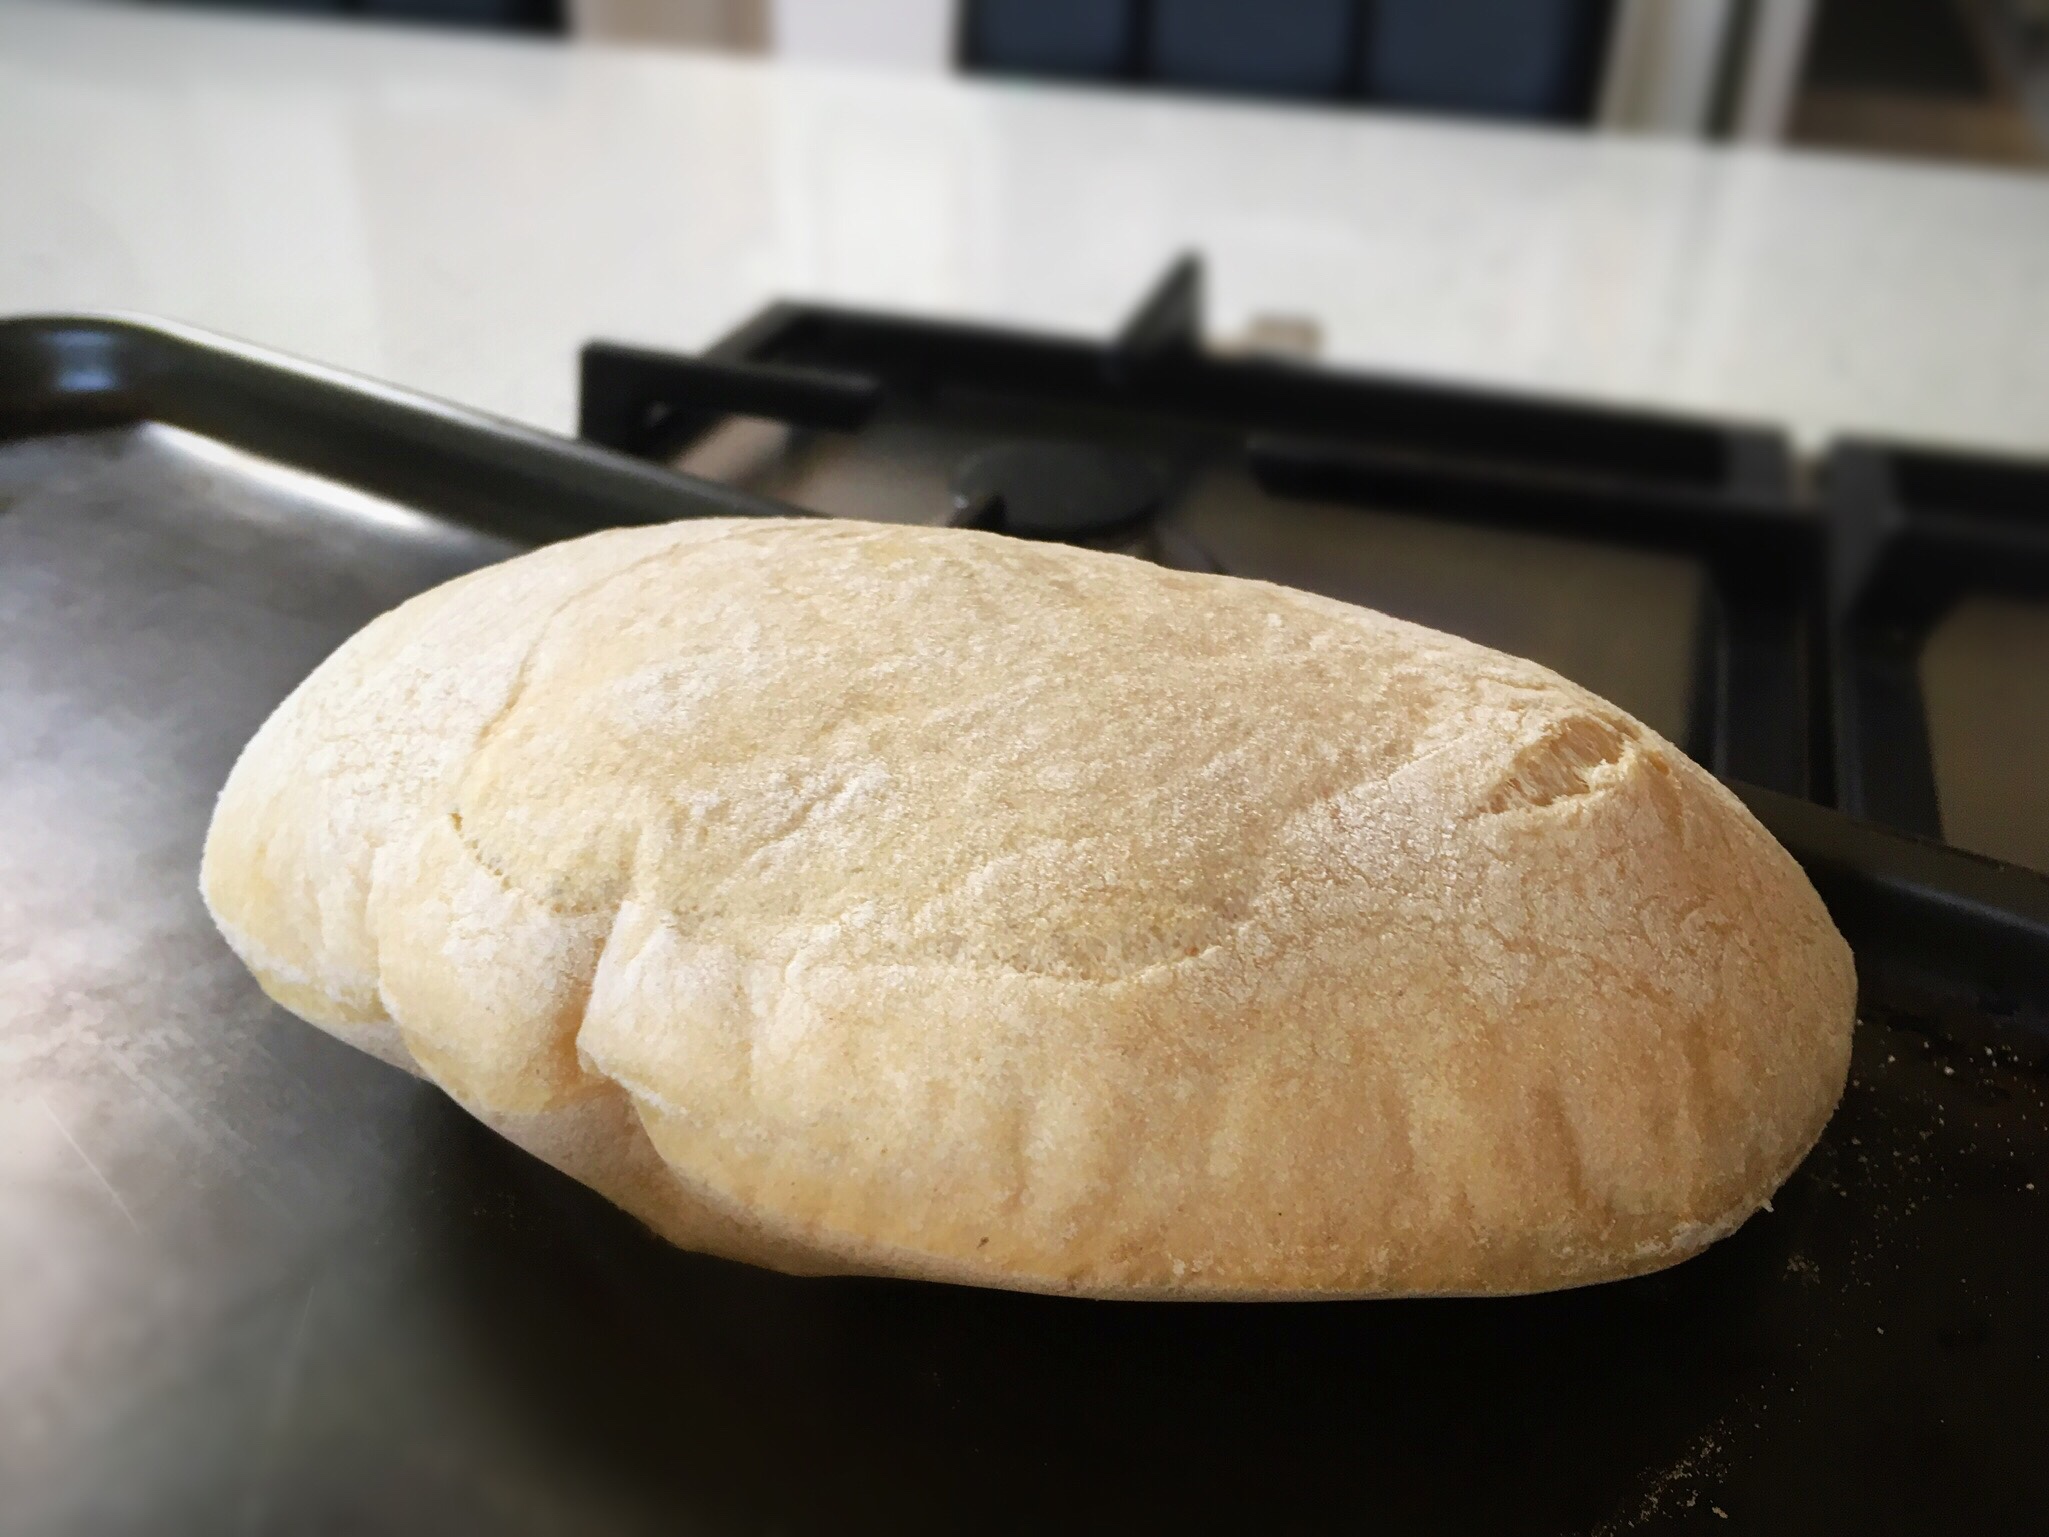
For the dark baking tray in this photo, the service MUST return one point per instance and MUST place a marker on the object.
(254, 1281)
(1523, 522)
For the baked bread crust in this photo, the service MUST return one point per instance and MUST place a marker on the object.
(859, 898)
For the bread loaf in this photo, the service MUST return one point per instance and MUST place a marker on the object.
(858, 898)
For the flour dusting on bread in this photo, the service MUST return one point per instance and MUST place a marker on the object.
(876, 898)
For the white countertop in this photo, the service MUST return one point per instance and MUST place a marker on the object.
(458, 214)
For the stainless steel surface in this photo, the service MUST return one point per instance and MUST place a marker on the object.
(185, 1168)
(1988, 727)
(898, 469)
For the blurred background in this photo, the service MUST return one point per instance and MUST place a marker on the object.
(1967, 79)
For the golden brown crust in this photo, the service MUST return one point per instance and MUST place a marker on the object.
(850, 897)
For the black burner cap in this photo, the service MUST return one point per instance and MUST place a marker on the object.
(1055, 490)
